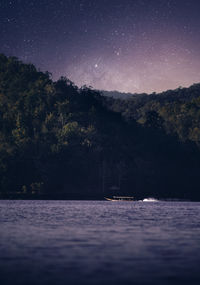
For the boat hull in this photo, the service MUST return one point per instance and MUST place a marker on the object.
(120, 199)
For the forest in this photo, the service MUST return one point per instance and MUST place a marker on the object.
(58, 141)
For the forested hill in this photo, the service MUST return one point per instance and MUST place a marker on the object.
(177, 110)
(117, 94)
(58, 141)
(169, 95)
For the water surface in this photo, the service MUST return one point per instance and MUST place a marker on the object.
(99, 242)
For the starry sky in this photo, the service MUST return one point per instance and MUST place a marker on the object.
(125, 45)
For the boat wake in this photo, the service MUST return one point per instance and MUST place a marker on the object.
(150, 200)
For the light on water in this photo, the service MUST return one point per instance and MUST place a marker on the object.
(99, 242)
(149, 200)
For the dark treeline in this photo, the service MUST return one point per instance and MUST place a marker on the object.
(59, 141)
(178, 110)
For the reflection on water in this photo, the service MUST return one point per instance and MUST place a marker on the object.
(99, 242)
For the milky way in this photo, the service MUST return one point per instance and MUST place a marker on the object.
(125, 45)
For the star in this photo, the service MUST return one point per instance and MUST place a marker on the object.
(117, 53)
(106, 43)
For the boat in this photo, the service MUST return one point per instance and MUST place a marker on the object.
(120, 198)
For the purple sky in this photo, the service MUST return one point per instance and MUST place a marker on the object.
(125, 45)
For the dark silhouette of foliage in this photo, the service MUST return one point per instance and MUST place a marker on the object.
(178, 109)
(61, 141)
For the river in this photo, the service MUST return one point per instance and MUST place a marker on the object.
(99, 242)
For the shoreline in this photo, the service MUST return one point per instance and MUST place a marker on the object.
(73, 197)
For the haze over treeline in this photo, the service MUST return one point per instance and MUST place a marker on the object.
(61, 141)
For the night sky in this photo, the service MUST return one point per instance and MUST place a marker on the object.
(125, 45)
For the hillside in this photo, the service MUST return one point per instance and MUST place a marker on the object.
(59, 141)
(179, 110)
(117, 94)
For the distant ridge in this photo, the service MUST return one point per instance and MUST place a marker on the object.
(180, 92)
(118, 95)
